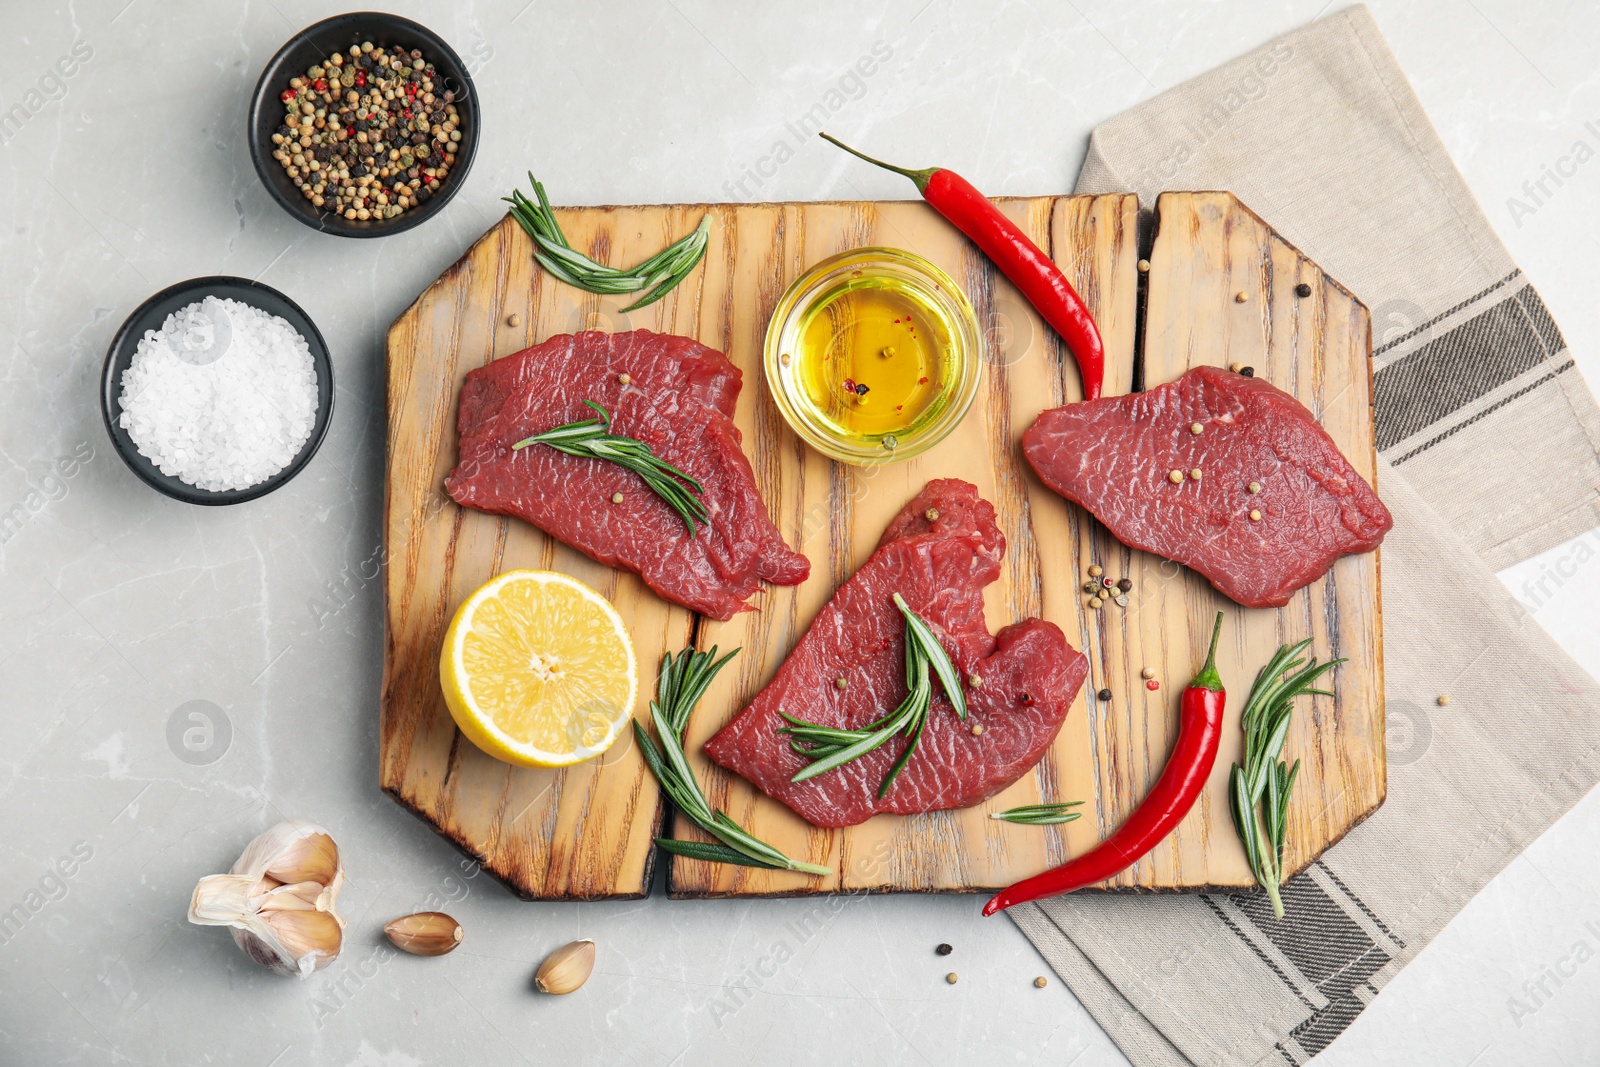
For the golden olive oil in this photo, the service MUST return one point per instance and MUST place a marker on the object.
(873, 357)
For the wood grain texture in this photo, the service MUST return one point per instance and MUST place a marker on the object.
(586, 832)
(1208, 249)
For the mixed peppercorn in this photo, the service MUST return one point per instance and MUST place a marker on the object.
(1101, 588)
(370, 133)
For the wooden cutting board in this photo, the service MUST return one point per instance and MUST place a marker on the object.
(586, 832)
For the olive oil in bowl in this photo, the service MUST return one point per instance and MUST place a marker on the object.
(873, 355)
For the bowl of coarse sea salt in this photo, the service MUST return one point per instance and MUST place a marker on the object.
(217, 390)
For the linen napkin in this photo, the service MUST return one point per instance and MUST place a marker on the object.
(1490, 452)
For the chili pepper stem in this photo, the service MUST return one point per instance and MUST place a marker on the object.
(920, 177)
(1208, 678)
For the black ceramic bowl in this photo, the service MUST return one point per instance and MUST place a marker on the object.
(150, 315)
(316, 44)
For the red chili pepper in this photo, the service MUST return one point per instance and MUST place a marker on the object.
(1018, 258)
(1194, 754)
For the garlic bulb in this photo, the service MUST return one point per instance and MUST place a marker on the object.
(279, 899)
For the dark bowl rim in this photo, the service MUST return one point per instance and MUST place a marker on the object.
(176, 488)
(327, 222)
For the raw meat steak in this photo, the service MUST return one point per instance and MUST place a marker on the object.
(938, 554)
(679, 400)
(1115, 456)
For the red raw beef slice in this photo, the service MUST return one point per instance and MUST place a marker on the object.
(1115, 457)
(938, 554)
(678, 399)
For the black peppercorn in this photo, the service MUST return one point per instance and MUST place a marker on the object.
(1248, 372)
(1104, 694)
(944, 950)
(1124, 584)
(1302, 290)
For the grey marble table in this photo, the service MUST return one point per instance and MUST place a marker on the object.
(118, 606)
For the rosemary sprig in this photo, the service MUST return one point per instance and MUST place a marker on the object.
(593, 439)
(1258, 792)
(683, 682)
(655, 277)
(1039, 814)
(829, 747)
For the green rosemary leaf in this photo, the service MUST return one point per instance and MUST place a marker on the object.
(851, 752)
(1258, 790)
(736, 836)
(715, 853)
(1244, 820)
(1040, 814)
(655, 277)
(555, 268)
(592, 439)
(683, 681)
(829, 747)
(915, 735)
(695, 676)
(661, 283)
(930, 649)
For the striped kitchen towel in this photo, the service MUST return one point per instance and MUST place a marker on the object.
(1491, 453)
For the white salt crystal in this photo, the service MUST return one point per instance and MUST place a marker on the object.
(224, 397)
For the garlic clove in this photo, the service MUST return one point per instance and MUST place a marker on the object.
(302, 896)
(269, 952)
(309, 858)
(427, 933)
(306, 933)
(279, 899)
(567, 968)
(219, 898)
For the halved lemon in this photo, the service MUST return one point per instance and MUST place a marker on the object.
(538, 670)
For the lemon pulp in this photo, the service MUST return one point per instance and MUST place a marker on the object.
(537, 669)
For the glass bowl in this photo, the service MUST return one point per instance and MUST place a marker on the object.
(848, 368)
